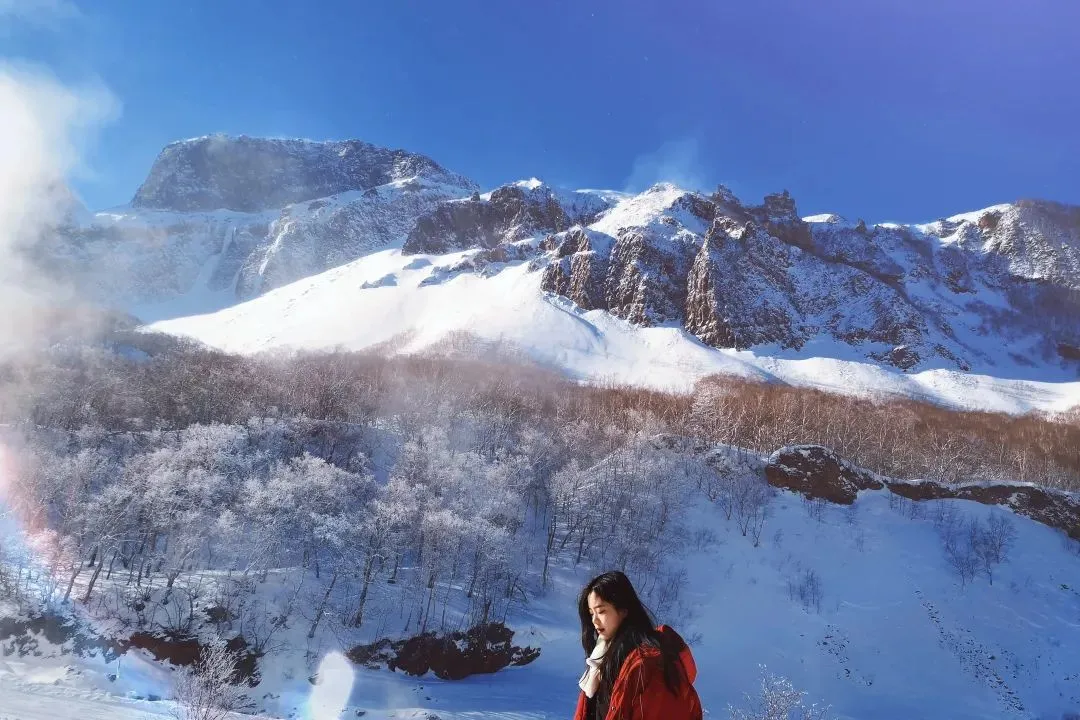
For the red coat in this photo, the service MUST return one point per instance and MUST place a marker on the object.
(640, 692)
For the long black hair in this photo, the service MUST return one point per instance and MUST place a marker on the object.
(637, 629)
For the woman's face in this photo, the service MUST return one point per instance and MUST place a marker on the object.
(605, 617)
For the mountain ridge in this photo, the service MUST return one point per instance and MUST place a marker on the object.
(977, 290)
(248, 174)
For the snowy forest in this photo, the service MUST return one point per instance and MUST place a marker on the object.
(434, 477)
(458, 484)
(344, 496)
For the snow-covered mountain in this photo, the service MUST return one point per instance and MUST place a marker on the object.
(250, 174)
(987, 290)
(224, 220)
(239, 216)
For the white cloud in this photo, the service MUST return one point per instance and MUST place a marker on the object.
(44, 128)
(676, 161)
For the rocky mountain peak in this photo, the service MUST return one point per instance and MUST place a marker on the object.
(780, 217)
(507, 214)
(779, 207)
(746, 276)
(250, 174)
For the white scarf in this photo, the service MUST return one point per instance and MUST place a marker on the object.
(590, 679)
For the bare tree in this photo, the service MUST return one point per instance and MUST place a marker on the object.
(806, 588)
(778, 700)
(974, 546)
(960, 547)
(205, 690)
(946, 518)
(750, 501)
(996, 538)
(816, 508)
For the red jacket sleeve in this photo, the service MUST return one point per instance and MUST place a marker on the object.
(582, 707)
(636, 695)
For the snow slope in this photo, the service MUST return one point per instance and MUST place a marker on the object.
(139, 258)
(30, 701)
(894, 636)
(419, 301)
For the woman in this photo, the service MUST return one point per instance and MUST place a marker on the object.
(634, 670)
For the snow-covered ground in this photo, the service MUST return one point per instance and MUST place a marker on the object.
(22, 700)
(417, 303)
(895, 636)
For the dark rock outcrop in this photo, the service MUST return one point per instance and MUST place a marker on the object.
(818, 473)
(22, 636)
(481, 650)
(1049, 507)
(1069, 352)
(578, 271)
(1036, 240)
(512, 212)
(780, 218)
(645, 282)
(737, 276)
(698, 206)
(741, 277)
(732, 282)
(900, 356)
(184, 650)
(632, 276)
(306, 241)
(739, 293)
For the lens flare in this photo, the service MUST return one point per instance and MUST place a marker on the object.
(332, 688)
(9, 525)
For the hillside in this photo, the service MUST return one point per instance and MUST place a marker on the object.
(986, 299)
(857, 605)
(418, 302)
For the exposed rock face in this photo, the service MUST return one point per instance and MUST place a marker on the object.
(739, 290)
(1056, 509)
(311, 237)
(251, 174)
(818, 473)
(766, 281)
(579, 272)
(183, 650)
(645, 279)
(635, 264)
(630, 276)
(908, 296)
(482, 650)
(510, 213)
(134, 259)
(32, 636)
(1039, 239)
(239, 247)
(779, 217)
(24, 637)
(900, 356)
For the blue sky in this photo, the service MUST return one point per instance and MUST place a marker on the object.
(883, 109)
